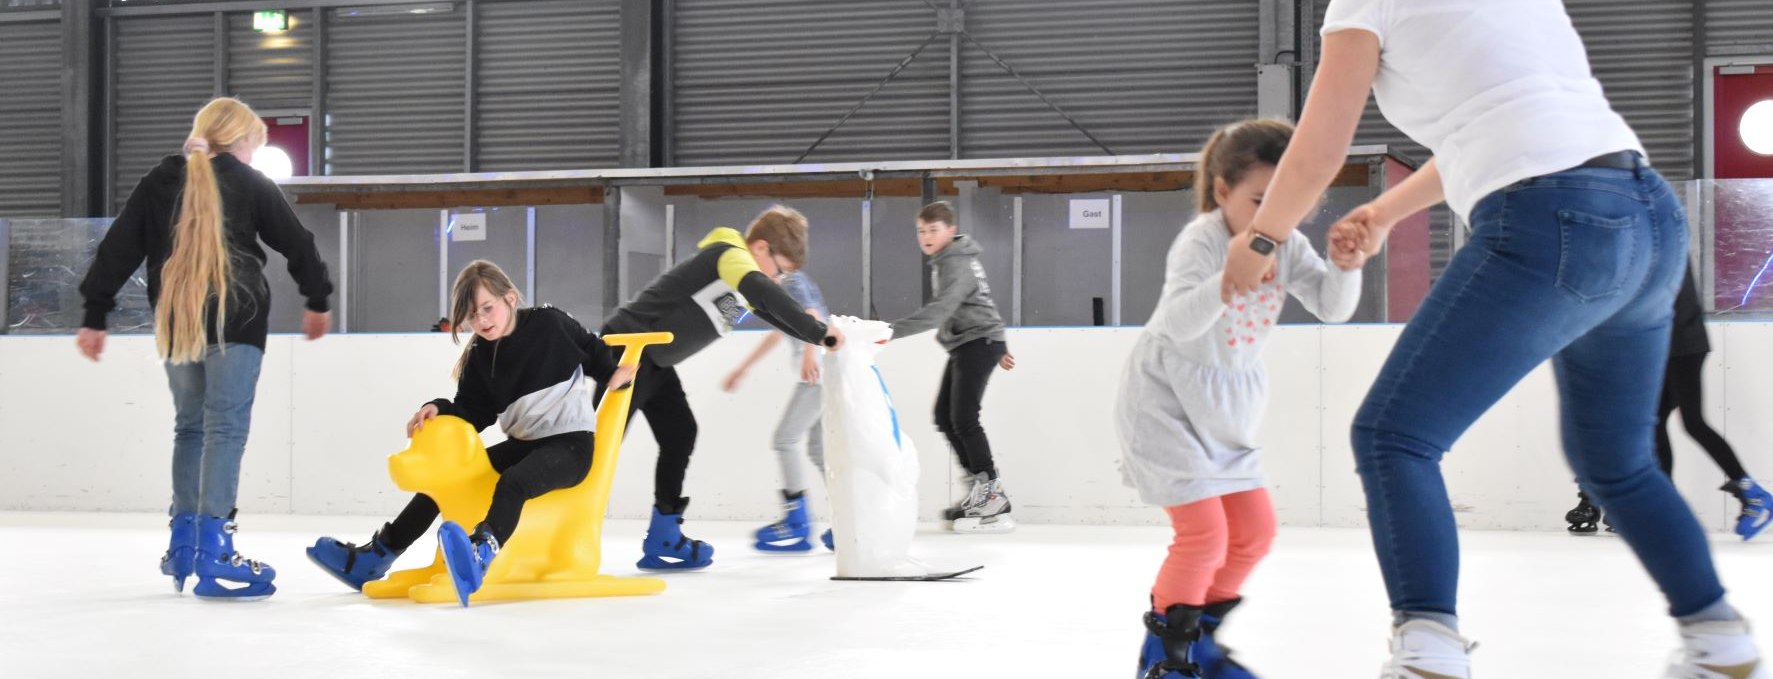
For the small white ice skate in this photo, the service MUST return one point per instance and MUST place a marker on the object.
(986, 509)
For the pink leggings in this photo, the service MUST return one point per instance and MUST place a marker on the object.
(1218, 542)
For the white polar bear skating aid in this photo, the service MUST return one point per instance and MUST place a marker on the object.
(871, 464)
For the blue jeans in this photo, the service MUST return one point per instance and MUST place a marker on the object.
(213, 400)
(1581, 267)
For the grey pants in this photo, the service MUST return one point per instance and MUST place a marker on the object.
(801, 422)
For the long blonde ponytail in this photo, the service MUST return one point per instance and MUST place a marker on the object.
(197, 270)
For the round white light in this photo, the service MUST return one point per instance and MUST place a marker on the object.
(273, 162)
(1757, 128)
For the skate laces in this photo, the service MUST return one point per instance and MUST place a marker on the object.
(981, 495)
(975, 495)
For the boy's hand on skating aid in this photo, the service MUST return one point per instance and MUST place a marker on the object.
(623, 377)
(419, 419)
(833, 338)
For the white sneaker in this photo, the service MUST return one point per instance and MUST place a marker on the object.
(1424, 649)
(1717, 650)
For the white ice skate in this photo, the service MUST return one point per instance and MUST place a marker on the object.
(1424, 649)
(1717, 650)
(986, 509)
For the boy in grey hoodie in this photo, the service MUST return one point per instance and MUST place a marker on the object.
(968, 327)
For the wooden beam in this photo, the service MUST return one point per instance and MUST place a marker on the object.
(1352, 174)
(402, 200)
(847, 188)
(1091, 183)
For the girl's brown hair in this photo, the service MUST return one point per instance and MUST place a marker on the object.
(1233, 151)
(478, 275)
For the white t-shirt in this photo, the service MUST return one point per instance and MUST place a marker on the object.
(1499, 90)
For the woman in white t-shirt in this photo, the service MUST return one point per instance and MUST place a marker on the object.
(1577, 250)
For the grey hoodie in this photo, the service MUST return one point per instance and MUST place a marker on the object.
(962, 305)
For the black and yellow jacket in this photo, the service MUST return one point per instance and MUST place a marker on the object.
(700, 300)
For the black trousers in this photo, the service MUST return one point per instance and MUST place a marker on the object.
(527, 470)
(957, 403)
(1682, 390)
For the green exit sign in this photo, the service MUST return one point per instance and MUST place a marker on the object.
(270, 21)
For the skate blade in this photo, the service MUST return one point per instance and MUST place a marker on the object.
(656, 564)
(1001, 523)
(802, 545)
(459, 561)
(233, 599)
(932, 577)
(214, 591)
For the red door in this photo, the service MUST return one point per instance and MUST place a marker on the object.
(289, 134)
(1743, 195)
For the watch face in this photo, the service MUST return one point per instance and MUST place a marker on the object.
(1262, 244)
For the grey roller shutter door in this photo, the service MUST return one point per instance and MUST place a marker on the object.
(395, 92)
(757, 81)
(1738, 23)
(1642, 52)
(271, 71)
(548, 81)
(165, 72)
(30, 119)
(1143, 76)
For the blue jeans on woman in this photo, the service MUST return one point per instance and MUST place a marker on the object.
(213, 399)
(1580, 267)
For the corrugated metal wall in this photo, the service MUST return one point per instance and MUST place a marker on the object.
(757, 81)
(30, 119)
(272, 70)
(395, 92)
(548, 81)
(1642, 52)
(1143, 76)
(165, 71)
(1737, 23)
